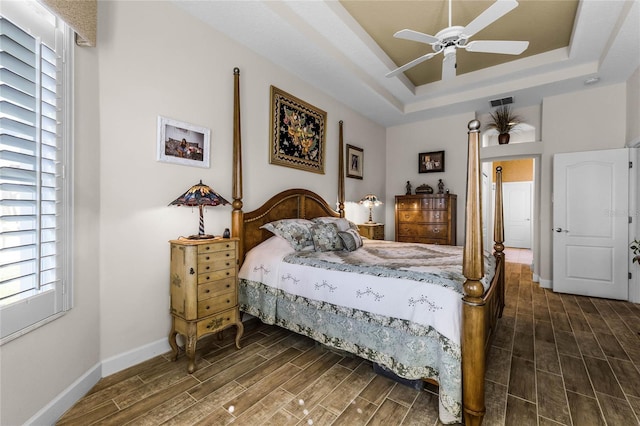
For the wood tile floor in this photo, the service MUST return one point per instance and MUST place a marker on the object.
(556, 360)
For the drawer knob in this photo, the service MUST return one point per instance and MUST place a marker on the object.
(228, 255)
(207, 308)
(228, 285)
(207, 278)
(207, 248)
(227, 273)
(436, 230)
(207, 268)
(191, 271)
(228, 301)
(228, 264)
(207, 291)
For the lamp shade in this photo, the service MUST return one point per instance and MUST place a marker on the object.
(370, 201)
(200, 195)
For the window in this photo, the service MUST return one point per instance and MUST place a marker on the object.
(35, 168)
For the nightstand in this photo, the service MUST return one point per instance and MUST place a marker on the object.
(204, 291)
(373, 231)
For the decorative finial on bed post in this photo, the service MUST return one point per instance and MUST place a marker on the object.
(474, 125)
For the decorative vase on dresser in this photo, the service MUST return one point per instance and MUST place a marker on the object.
(426, 218)
(204, 291)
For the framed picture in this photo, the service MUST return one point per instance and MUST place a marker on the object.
(429, 162)
(297, 133)
(355, 161)
(183, 143)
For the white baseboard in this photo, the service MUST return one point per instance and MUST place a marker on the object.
(545, 283)
(135, 356)
(51, 412)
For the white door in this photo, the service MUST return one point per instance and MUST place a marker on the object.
(590, 223)
(517, 214)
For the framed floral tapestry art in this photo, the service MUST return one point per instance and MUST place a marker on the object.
(297, 133)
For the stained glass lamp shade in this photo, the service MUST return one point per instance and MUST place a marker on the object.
(200, 195)
(370, 201)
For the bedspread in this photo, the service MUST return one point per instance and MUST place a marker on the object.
(396, 304)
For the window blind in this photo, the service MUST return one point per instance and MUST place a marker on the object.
(32, 186)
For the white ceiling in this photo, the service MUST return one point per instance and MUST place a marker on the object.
(320, 42)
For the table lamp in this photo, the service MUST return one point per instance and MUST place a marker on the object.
(200, 195)
(370, 201)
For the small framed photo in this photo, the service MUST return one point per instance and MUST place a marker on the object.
(355, 162)
(183, 143)
(429, 162)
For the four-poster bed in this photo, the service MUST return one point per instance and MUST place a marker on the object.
(480, 303)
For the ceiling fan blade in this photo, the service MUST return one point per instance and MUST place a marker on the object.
(449, 66)
(490, 15)
(411, 64)
(498, 46)
(416, 36)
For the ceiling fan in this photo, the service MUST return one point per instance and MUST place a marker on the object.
(456, 37)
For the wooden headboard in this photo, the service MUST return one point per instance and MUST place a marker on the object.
(289, 204)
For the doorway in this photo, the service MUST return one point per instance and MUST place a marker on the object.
(519, 207)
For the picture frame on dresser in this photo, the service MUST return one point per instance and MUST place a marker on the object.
(430, 162)
(183, 143)
(297, 137)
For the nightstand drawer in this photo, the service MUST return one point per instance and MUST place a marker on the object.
(216, 288)
(374, 231)
(217, 304)
(216, 245)
(217, 260)
(217, 322)
(216, 275)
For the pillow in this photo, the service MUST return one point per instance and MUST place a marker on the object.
(325, 237)
(295, 231)
(351, 239)
(342, 223)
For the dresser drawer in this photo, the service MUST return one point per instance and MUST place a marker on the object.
(436, 231)
(216, 322)
(216, 288)
(422, 203)
(421, 216)
(423, 240)
(216, 275)
(217, 304)
(216, 245)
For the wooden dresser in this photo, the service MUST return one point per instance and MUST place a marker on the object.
(426, 218)
(204, 291)
(373, 231)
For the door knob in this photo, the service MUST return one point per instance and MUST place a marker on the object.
(560, 230)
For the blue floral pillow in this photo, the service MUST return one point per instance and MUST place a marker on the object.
(342, 223)
(295, 231)
(351, 239)
(325, 237)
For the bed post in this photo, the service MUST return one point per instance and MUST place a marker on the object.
(236, 214)
(474, 318)
(498, 238)
(341, 170)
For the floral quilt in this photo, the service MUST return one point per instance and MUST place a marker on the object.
(396, 304)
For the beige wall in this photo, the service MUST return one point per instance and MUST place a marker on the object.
(406, 141)
(515, 170)
(633, 108)
(37, 367)
(589, 120)
(142, 68)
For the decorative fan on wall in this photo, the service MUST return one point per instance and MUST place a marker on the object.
(452, 38)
